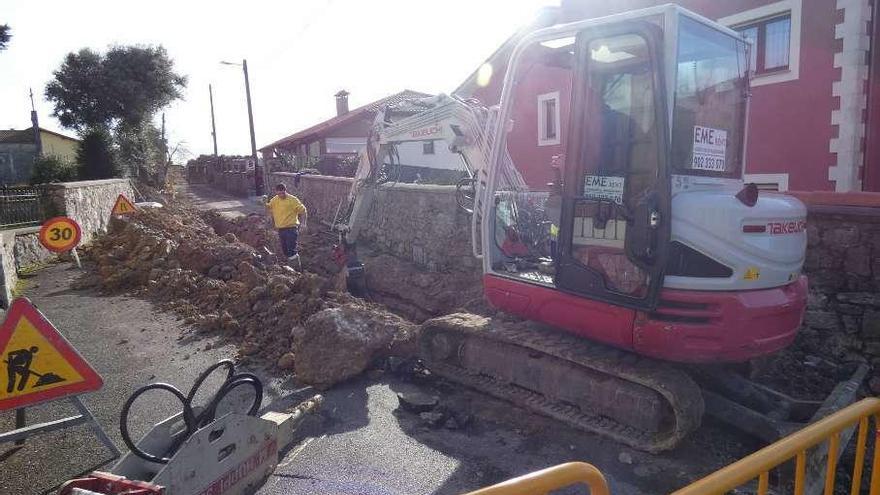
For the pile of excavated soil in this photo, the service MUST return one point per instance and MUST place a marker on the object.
(400, 285)
(277, 315)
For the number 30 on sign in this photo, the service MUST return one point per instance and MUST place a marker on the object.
(60, 234)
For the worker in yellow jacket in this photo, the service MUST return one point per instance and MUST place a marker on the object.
(290, 217)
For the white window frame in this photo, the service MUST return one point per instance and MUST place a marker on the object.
(790, 7)
(542, 124)
(781, 180)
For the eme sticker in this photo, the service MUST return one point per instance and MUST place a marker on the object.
(710, 149)
(604, 188)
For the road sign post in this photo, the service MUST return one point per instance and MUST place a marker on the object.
(61, 234)
(40, 365)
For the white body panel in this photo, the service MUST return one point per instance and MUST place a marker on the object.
(710, 220)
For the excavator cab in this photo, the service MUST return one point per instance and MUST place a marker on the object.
(624, 101)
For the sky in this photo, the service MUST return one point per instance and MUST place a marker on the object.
(299, 53)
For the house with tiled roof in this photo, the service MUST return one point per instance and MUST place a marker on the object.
(333, 146)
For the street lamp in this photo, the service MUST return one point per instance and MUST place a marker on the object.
(258, 180)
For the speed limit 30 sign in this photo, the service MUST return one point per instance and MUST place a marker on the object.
(60, 234)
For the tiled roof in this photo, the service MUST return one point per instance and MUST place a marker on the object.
(339, 120)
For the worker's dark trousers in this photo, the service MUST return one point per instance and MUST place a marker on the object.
(288, 238)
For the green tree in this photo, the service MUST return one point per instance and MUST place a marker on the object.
(51, 168)
(121, 90)
(95, 156)
(127, 85)
(5, 36)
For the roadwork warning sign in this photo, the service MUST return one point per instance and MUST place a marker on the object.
(37, 364)
(123, 206)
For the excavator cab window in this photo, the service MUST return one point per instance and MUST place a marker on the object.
(526, 219)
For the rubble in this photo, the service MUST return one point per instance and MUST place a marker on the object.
(417, 402)
(276, 315)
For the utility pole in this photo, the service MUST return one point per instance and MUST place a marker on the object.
(35, 124)
(258, 175)
(213, 127)
(258, 179)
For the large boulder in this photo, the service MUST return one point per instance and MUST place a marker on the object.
(338, 343)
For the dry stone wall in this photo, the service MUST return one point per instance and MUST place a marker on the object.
(843, 265)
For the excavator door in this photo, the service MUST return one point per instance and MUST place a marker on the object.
(615, 213)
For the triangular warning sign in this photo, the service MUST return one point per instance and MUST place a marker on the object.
(123, 206)
(37, 363)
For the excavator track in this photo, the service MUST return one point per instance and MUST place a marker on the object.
(637, 401)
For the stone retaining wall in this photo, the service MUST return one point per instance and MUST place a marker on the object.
(322, 194)
(843, 265)
(422, 224)
(87, 202)
(418, 223)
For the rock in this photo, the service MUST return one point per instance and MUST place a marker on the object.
(451, 424)
(822, 320)
(625, 458)
(841, 237)
(872, 349)
(230, 237)
(417, 402)
(871, 324)
(338, 343)
(249, 274)
(849, 309)
(285, 362)
(874, 385)
(860, 298)
(858, 260)
(431, 418)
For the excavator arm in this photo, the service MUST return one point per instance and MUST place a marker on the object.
(465, 126)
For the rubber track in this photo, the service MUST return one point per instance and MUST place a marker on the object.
(682, 393)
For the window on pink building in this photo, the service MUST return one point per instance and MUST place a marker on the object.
(771, 40)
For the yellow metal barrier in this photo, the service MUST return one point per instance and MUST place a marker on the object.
(796, 445)
(554, 478)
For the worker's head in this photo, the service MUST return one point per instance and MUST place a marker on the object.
(281, 190)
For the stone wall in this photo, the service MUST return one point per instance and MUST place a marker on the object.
(322, 194)
(89, 202)
(843, 266)
(414, 222)
(28, 250)
(422, 224)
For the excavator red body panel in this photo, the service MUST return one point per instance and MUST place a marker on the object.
(687, 326)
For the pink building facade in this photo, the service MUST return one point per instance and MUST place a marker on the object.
(812, 124)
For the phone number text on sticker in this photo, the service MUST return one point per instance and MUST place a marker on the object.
(705, 162)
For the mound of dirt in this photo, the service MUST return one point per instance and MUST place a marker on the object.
(226, 286)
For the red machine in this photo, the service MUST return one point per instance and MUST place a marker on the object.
(647, 246)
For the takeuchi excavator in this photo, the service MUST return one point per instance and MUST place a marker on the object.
(646, 249)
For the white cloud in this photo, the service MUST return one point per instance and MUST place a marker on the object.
(299, 54)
